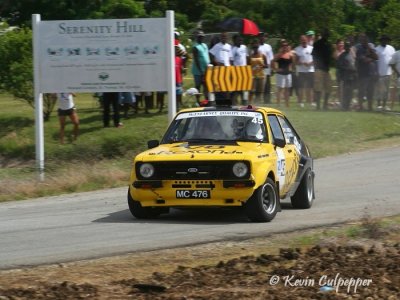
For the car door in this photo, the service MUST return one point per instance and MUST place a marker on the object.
(292, 149)
(286, 156)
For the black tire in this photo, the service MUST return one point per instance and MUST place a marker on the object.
(264, 203)
(140, 212)
(304, 196)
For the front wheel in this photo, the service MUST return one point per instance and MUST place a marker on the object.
(264, 203)
(304, 196)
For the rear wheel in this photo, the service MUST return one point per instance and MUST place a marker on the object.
(140, 212)
(263, 204)
(304, 196)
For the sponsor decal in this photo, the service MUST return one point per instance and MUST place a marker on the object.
(199, 114)
(210, 149)
(281, 167)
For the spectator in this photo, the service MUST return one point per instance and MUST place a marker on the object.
(182, 47)
(322, 56)
(111, 99)
(339, 49)
(305, 70)
(395, 64)
(160, 100)
(282, 64)
(148, 100)
(385, 53)
(178, 75)
(240, 58)
(127, 100)
(266, 49)
(66, 107)
(221, 53)
(366, 59)
(201, 60)
(346, 67)
(258, 62)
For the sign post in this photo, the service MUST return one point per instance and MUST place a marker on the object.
(171, 66)
(39, 131)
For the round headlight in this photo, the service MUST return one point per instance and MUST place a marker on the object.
(240, 169)
(146, 170)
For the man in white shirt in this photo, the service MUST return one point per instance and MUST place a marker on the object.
(239, 52)
(305, 70)
(266, 49)
(221, 53)
(385, 53)
(240, 58)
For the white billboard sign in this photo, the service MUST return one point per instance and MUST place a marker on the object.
(120, 55)
(103, 55)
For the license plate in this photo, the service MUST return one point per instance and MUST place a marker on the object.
(193, 194)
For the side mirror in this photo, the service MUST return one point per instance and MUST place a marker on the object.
(152, 144)
(280, 143)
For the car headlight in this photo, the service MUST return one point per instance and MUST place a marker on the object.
(240, 169)
(146, 170)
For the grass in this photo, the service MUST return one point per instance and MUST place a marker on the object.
(367, 228)
(101, 157)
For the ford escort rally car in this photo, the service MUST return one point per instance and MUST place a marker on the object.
(249, 157)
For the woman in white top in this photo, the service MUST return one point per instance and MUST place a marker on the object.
(66, 107)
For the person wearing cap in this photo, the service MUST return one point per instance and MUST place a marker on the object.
(201, 59)
(385, 53)
(178, 42)
(183, 49)
(310, 37)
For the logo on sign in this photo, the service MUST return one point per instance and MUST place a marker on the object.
(104, 76)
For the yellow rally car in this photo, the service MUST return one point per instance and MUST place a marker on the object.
(248, 157)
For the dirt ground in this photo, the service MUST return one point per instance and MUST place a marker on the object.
(323, 263)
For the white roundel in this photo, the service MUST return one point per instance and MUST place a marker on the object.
(281, 166)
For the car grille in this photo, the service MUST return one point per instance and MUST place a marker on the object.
(196, 170)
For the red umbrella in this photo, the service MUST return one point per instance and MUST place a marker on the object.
(242, 25)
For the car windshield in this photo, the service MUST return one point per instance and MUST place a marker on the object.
(214, 126)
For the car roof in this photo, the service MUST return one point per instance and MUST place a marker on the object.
(238, 108)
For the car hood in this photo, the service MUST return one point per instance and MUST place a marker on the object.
(185, 151)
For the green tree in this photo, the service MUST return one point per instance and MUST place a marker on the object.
(290, 19)
(389, 17)
(122, 9)
(16, 67)
(16, 63)
(19, 12)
